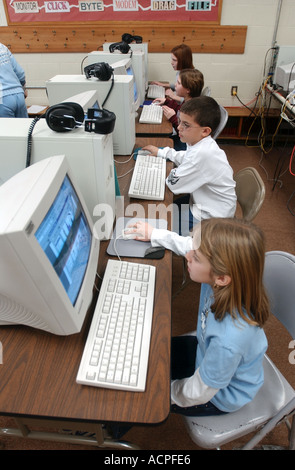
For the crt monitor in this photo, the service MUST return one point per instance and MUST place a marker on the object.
(87, 99)
(138, 66)
(124, 67)
(142, 47)
(117, 98)
(48, 253)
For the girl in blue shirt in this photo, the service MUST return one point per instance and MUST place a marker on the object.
(220, 370)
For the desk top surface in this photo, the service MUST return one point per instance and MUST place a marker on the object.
(38, 373)
(164, 129)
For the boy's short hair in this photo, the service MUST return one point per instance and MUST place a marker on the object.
(193, 80)
(204, 110)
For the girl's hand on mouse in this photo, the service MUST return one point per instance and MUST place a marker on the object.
(143, 230)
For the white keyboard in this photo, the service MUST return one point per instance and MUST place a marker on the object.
(151, 114)
(156, 91)
(149, 178)
(116, 351)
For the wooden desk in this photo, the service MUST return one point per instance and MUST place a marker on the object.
(153, 130)
(38, 374)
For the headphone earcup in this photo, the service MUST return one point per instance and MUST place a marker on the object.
(120, 46)
(64, 117)
(126, 37)
(101, 70)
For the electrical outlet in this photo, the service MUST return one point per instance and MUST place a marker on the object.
(234, 90)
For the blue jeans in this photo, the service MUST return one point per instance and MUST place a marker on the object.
(13, 106)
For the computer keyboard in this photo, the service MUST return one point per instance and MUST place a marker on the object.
(149, 178)
(151, 114)
(156, 91)
(116, 351)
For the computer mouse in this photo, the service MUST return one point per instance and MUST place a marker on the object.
(128, 234)
(154, 252)
(143, 152)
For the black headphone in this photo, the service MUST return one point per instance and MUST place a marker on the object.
(100, 121)
(64, 117)
(100, 70)
(126, 37)
(120, 46)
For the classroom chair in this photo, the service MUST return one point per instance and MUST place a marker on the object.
(206, 91)
(222, 124)
(250, 192)
(275, 401)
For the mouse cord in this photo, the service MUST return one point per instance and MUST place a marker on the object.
(115, 245)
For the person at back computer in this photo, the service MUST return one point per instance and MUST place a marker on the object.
(202, 171)
(181, 58)
(189, 84)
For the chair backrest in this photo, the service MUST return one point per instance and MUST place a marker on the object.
(206, 91)
(223, 121)
(250, 192)
(279, 281)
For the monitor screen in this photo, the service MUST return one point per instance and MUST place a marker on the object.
(130, 72)
(65, 237)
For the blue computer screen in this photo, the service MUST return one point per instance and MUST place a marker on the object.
(65, 237)
(130, 72)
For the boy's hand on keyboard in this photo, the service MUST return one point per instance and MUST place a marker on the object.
(142, 229)
(152, 149)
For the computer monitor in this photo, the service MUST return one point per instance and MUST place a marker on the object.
(124, 67)
(86, 99)
(142, 47)
(90, 156)
(285, 76)
(119, 101)
(48, 252)
(138, 65)
(283, 55)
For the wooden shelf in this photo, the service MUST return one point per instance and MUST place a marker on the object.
(240, 120)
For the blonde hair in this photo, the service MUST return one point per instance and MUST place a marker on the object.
(237, 249)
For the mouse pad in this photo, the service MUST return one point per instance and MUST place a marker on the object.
(131, 248)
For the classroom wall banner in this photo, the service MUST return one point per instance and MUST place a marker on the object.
(21, 11)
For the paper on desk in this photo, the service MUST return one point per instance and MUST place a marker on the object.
(36, 108)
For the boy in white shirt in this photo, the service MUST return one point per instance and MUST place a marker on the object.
(202, 171)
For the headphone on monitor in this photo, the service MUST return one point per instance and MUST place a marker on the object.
(64, 117)
(126, 37)
(100, 70)
(100, 121)
(120, 46)
(123, 46)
